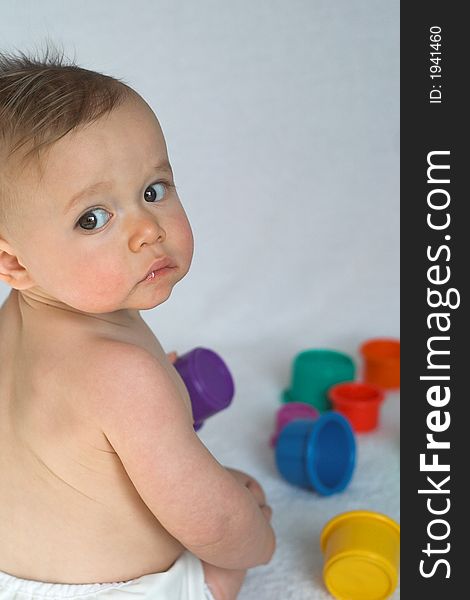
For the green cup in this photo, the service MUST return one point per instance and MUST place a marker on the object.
(314, 372)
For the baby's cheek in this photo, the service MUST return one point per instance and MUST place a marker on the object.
(111, 281)
(99, 287)
(185, 238)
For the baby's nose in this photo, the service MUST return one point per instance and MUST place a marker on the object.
(146, 230)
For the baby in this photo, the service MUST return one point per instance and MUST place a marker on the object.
(106, 491)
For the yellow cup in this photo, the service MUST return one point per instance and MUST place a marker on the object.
(362, 555)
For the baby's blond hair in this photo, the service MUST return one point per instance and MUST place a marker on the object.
(41, 100)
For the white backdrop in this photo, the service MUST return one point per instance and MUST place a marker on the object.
(282, 124)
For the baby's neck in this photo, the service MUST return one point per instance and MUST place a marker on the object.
(30, 301)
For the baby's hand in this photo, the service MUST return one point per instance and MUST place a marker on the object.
(255, 488)
(172, 356)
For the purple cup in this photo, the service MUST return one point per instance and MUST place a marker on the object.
(289, 412)
(208, 381)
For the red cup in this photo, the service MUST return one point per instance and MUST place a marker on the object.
(358, 402)
(382, 362)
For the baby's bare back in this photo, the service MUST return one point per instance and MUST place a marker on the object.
(68, 511)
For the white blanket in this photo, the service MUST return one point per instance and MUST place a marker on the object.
(239, 436)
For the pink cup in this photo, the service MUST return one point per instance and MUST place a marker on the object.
(289, 412)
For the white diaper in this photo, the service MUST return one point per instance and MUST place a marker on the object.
(183, 581)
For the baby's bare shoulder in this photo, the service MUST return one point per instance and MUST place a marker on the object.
(115, 375)
(116, 354)
(121, 362)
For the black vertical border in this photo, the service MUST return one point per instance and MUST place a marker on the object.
(427, 127)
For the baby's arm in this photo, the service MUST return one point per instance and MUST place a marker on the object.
(198, 501)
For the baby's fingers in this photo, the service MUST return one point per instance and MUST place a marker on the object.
(257, 491)
(267, 512)
(172, 356)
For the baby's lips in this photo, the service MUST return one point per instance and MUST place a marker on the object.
(158, 264)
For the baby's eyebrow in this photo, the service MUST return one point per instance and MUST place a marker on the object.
(95, 187)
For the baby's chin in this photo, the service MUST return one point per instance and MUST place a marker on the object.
(130, 305)
(147, 301)
(153, 303)
(143, 297)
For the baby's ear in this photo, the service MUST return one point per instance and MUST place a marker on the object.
(12, 271)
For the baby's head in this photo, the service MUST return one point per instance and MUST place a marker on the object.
(87, 197)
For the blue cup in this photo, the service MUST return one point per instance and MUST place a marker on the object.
(317, 454)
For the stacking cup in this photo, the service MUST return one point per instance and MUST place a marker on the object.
(208, 381)
(290, 411)
(314, 372)
(317, 454)
(361, 551)
(358, 402)
(382, 362)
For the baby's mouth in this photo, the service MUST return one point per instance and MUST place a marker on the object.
(162, 265)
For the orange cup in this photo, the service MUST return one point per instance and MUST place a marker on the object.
(358, 402)
(382, 362)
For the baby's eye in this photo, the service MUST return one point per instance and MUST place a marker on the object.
(94, 219)
(155, 192)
